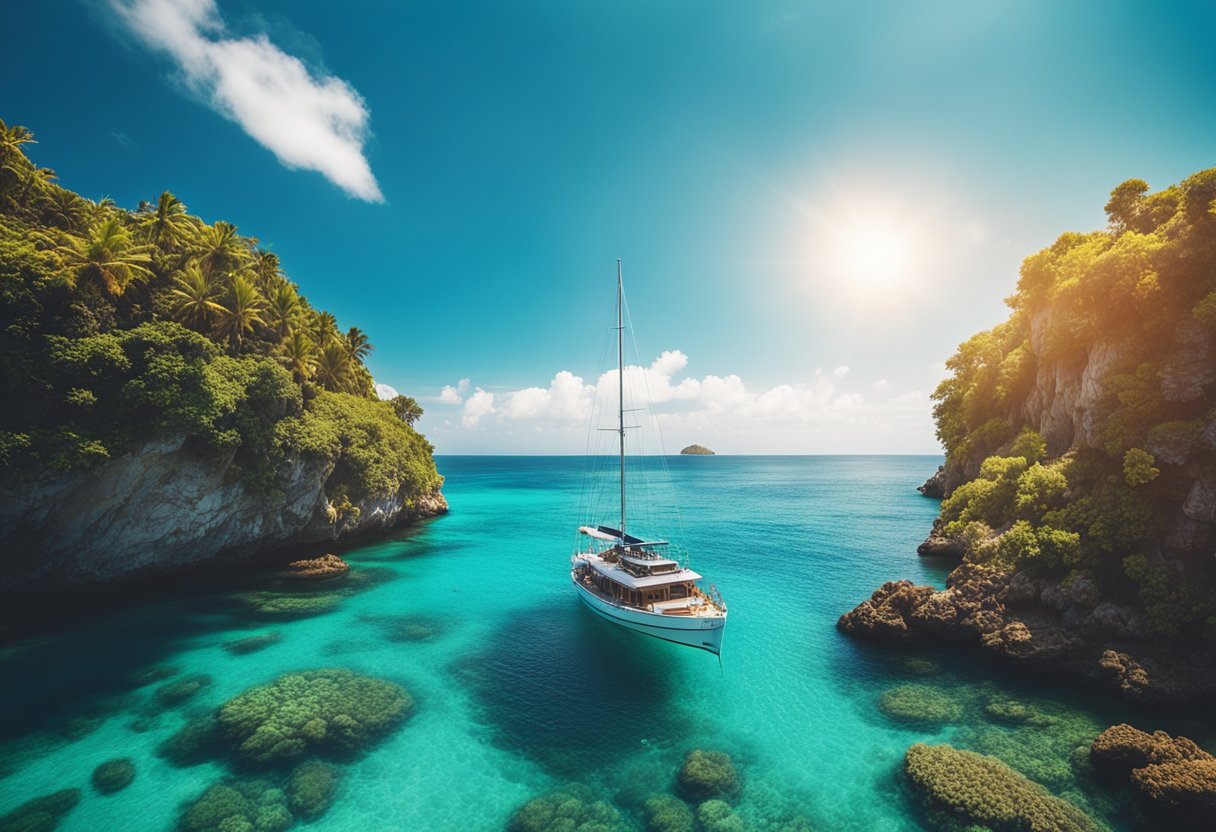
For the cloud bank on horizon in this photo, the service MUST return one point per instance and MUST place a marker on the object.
(311, 122)
(818, 414)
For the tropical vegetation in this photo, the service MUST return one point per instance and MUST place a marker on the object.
(1132, 308)
(120, 326)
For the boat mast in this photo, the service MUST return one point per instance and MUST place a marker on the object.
(620, 378)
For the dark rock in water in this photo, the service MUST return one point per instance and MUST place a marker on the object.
(697, 450)
(156, 673)
(1005, 615)
(42, 814)
(178, 691)
(403, 629)
(285, 606)
(938, 544)
(935, 486)
(1173, 777)
(114, 775)
(706, 775)
(322, 568)
(962, 788)
(252, 644)
(195, 742)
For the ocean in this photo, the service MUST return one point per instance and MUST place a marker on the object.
(520, 690)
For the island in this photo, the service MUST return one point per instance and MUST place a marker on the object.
(172, 400)
(697, 450)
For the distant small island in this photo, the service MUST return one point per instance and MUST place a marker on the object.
(697, 450)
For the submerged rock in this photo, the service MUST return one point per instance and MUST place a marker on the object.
(180, 690)
(331, 711)
(237, 806)
(718, 816)
(322, 568)
(252, 644)
(667, 813)
(572, 808)
(1174, 777)
(708, 774)
(42, 814)
(290, 605)
(113, 775)
(962, 788)
(310, 790)
(919, 704)
(195, 742)
(1016, 713)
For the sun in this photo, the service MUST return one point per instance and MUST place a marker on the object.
(873, 254)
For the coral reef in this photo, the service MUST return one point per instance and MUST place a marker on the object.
(310, 789)
(919, 667)
(42, 814)
(667, 813)
(180, 690)
(708, 774)
(333, 711)
(155, 673)
(919, 704)
(1016, 713)
(252, 644)
(402, 629)
(237, 806)
(572, 808)
(113, 775)
(972, 789)
(717, 816)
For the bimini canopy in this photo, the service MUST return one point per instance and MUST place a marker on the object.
(609, 533)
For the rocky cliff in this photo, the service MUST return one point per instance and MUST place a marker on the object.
(164, 507)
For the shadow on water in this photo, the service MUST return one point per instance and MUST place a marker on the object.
(571, 691)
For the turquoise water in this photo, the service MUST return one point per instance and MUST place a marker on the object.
(520, 690)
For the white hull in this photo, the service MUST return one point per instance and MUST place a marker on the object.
(704, 633)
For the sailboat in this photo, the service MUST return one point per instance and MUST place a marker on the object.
(630, 580)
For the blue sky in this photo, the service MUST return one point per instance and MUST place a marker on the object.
(815, 203)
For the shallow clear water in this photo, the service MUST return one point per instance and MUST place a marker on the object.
(519, 689)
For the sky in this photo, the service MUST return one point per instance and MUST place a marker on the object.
(814, 203)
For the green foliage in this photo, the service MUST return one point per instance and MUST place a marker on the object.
(1168, 604)
(119, 327)
(1138, 467)
(970, 788)
(1041, 488)
(572, 808)
(113, 775)
(989, 498)
(331, 711)
(1030, 445)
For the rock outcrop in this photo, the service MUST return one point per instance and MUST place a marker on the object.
(1039, 623)
(317, 569)
(935, 486)
(165, 507)
(1174, 778)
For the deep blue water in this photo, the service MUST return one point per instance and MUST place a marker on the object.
(519, 689)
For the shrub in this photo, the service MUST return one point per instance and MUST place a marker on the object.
(1138, 467)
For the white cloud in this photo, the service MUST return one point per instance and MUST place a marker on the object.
(881, 384)
(478, 405)
(385, 392)
(811, 415)
(841, 371)
(454, 395)
(315, 122)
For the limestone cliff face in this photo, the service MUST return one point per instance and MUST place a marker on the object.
(163, 508)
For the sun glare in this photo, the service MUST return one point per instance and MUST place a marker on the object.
(874, 255)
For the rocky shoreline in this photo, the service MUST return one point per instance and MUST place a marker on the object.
(164, 509)
(1040, 624)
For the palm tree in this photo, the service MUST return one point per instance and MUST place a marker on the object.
(299, 354)
(324, 328)
(11, 139)
(283, 309)
(100, 210)
(333, 367)
(357, 345)
(266, 270)
(194, 299)
(107, 255)
(220, 249)
(240, 310)
(64, 209)
(167, 223)
(34, 178)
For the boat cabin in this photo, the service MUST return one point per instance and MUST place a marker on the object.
(635, 572)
